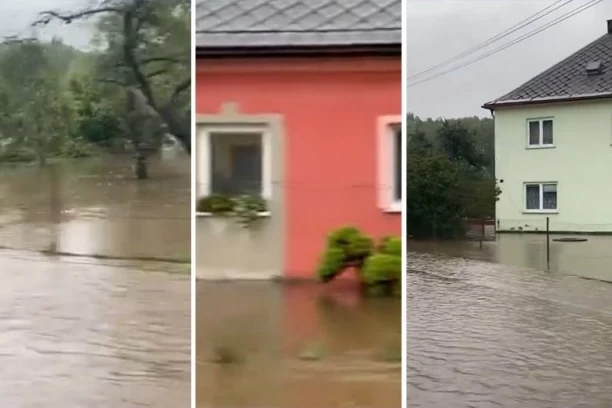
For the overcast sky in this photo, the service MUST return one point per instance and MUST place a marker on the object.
(16, 17)
(440, 29)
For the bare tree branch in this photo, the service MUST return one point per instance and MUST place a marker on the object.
(47, 16)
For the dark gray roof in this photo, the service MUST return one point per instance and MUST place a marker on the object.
(568, 79)
(289, 23)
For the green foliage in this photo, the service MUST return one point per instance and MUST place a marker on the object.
(216, 204)
(379, 267)
(244, 208)
(247, 209)
(437, 200)
(391, 246)
(449, 175)
(58, 101)
(331, 264)
(382, 268)
(354, 244)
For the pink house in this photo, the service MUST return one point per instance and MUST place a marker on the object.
(303, 102)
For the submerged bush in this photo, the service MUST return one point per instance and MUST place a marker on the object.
(379, 267)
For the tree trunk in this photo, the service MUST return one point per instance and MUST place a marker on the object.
(142, 172)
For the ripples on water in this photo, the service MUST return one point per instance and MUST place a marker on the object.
(269, 325)
(487, 335)
(78, 335)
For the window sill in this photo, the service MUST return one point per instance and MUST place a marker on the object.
(206, 214)
(394, 208)
(540, 211)
(539, 147)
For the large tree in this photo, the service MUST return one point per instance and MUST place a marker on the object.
(146, 51)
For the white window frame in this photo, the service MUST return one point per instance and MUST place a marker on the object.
(541, 144)
(203, 159)
(387, 127)
(541, 210)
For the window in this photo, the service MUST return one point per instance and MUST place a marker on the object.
(541, 197)
(397, 164)
(390, 178)
(233, 162)
(540, 132)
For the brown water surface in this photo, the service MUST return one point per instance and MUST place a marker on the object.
(297, 346)
(82, 333)
(89, 332)
(502, 333)
(104, 210)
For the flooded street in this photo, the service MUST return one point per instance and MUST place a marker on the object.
(488, 335)
(590, 259)
(79, 333)
(87, 331)
(263, 345)
(104, 210)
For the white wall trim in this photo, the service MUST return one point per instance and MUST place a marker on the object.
(203, 180)
(386, 162)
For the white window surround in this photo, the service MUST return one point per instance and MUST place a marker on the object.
(386, 130)
(203, 160)
(541, 210)
(541, 144)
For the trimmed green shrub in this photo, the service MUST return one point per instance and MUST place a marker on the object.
(331, 264)
(378, 267)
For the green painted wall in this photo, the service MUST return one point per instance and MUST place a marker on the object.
(581, 163)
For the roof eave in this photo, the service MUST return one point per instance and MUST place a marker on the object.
(387, 49)
(553, 99)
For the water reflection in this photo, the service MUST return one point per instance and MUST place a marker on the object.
(104, 210)
(490, 335)
(591, 259)
(85, 334)
(269, 327)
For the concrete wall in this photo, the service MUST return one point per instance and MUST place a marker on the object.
(580, 162)
(331, 109)
(224, 249)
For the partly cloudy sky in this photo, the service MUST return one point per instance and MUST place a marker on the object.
(440, 29)
(16, 17)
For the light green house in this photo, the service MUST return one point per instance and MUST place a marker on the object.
(553, 146)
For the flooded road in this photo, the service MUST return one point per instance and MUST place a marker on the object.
(104, 210)
(590, 259)
(264, 345)
(80, 333)
(91, 332)
(488, 335)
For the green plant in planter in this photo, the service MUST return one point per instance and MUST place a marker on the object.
(247, 209)
(216, 204)
(244, 208)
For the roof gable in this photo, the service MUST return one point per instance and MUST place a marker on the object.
(568, 79)
(295, 23)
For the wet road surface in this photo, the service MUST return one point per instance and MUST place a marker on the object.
(300, 346)
(488, 335)
(80, 333)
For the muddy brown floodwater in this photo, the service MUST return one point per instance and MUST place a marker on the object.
(104, 211)
(481, 334)
(265, 345)
(90, 332)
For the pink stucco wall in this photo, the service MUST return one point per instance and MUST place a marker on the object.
(330, 109)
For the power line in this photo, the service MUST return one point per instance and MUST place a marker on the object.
(495, 38)
(516, 41)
